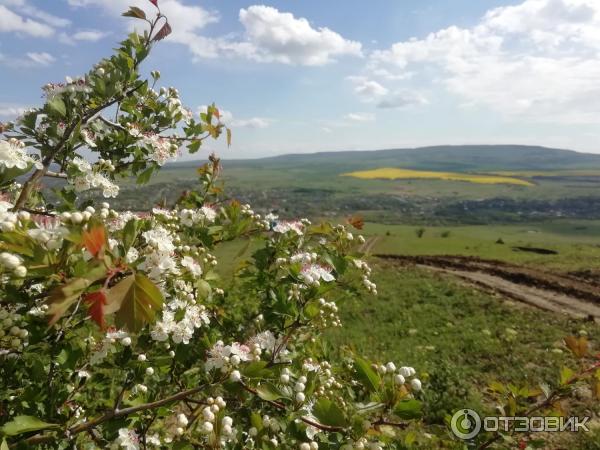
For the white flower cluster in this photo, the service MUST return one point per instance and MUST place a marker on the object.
(89, 177)
(118, 219)
(13, 263)
(13, 334)
(77, 217)
(400, 376)
(369, 285)
(362, 444)
(267, 342)
(128, 439)
(49, 233)
(71, 86)
(222, 432)
(160, 148)
(226, 357)
(328, 314)
(190, 217)
(311, 274)
(102, 348)
(88, 137)
(10, 219)
(13, 155)
(285, 226)
(160, 257)
(194, 316)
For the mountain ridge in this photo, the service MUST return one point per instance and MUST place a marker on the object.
(463, 158)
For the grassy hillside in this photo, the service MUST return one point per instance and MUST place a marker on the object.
(552, 183)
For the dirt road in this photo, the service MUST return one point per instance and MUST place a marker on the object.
(567, 294)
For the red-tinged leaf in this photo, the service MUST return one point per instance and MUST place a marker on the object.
(154, 2)
(62, 297)
(94, 239)
(163, 32)
(135, 12)
(216, 113)
(96, 301)
(357, 222)
(135, 299)
(578, 345)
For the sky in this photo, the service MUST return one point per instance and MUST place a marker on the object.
(314, 75)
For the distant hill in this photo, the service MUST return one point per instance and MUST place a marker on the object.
(460, 158)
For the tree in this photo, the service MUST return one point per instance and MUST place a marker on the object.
(115, 328)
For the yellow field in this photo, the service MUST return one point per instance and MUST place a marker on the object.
(550, 173)
(395, 174)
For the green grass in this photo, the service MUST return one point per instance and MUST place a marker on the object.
(455, 336)
(577, 242)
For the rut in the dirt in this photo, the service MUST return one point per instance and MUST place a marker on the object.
(567, 294)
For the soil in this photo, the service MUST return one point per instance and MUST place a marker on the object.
(575, 294)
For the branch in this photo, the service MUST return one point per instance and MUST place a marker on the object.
(112, 124)
(39, 173)
(114, 414)
(55, 174)
(281, 406)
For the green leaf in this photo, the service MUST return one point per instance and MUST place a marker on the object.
(256, 421)
(129, 233)
(565, 375)
(135, 12)
(145, 176)
(269, 392)
(135, 299)
(25, 424)
(256, 369)
(369, 378)
(4, 445)
(58, 105)
(329, 413)
(194, 146)
(409, 409)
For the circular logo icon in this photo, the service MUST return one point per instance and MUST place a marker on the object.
(465, 424)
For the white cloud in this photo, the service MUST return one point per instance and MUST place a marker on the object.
(228, 119)
(11, 22)
(268, 36)
(186, 20)
(274, 36)
(402, 98)
(538, 60)
(84, 35)
(24, 8)
(253, 122)
(89, 35)
(30, 60)
(360, 117)
(368, 90)
(41, 58)
(10, 111)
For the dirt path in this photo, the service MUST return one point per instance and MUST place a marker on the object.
(553, 292)
(369, 244)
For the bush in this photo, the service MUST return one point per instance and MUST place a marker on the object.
(115, 330)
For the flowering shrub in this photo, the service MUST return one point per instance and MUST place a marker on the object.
(115, 329)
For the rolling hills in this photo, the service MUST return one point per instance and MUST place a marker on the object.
(551, 183)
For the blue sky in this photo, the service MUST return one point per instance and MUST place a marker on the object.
(305, 76)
